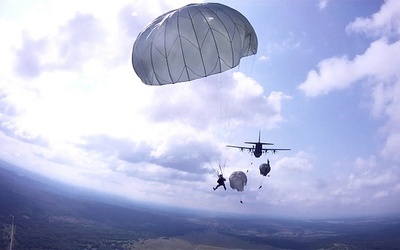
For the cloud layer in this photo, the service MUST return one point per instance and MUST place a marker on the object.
(72, 108)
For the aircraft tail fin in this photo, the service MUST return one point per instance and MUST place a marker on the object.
(259, 140)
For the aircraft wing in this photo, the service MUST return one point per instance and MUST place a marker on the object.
(241, 148)
(265, 150)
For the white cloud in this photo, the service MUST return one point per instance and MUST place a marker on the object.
(381, 194)
(362, 187)
(377, 63)
(385, 23)
(333, 73)
(68, 49)
(301, 162)
(322, 4)
(350, 191)
(223, 101)
(390, 149)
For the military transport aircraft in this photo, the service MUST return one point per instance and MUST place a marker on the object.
(257, 149)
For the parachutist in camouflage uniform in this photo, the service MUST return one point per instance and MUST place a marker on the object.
(221, 182)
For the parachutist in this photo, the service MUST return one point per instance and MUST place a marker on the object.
(241, 202)
(221, 182)
(260, 187)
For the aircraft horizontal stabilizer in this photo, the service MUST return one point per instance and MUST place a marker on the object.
(262, 143)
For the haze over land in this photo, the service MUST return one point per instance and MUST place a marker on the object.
(48, 215)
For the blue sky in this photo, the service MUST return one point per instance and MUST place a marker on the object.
(324, 82)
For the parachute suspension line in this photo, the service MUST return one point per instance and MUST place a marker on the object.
(215, 171)
(252, 65)
(225, 105)
(240, 96)
(237, 106)
(228, 104)
(216, 90)
(182, 122)
(221, 167)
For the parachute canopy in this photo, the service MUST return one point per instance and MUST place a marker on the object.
(265, 168)
(192, 42)
(238, 180)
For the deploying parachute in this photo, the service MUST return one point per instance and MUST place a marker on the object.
(238, 180)
(265, 168)
(192, 42)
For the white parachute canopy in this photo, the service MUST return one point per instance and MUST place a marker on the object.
(192, 42)
(238, 180)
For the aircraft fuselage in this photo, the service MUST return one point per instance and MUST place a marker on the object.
(257, 150)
